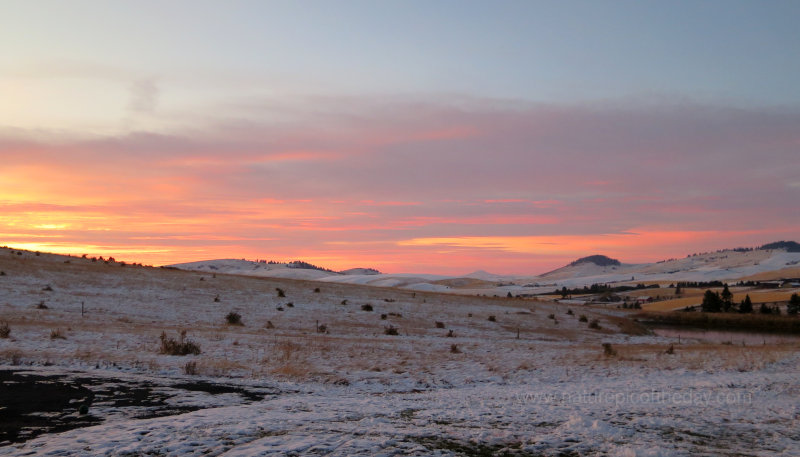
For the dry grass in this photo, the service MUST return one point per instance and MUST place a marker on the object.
(754, 322)
(701, 356)
(792, 272)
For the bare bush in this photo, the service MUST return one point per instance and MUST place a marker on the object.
(281, 292)
(366, 307)
(608, 350)
(5, 330)
(190, 368)
(182, 346)
(57, 334)
(492, 318)
(583, 318)
(234, 318)
(594, 324)
(439, 324)
(390, 330)
(454, 349)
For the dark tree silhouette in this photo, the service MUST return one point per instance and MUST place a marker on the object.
(712, 303)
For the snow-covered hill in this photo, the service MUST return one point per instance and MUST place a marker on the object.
(728, 265)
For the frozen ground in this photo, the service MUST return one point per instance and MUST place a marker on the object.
(534, 381)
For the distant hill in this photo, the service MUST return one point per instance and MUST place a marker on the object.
(599, 260)
(360, 271)
(789, 246)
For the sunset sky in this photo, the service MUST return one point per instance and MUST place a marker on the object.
(408, 136)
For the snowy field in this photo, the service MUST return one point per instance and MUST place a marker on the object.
(534, 380)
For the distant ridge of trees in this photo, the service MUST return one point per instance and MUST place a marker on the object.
(300, 264)
(600, 260)
(790, 246)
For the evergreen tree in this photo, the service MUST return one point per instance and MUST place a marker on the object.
(746, 306)
(764, 309)
(794, 305)
(712, 303)
(727, 299)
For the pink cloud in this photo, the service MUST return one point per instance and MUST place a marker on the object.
(397, 172)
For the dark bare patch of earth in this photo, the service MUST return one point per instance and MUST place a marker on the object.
(32, 404)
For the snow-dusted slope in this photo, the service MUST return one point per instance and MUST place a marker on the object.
(533, 381)
(250, 268)
(723, 266)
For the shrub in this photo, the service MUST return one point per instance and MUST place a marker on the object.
(279, 308)
(182, 346)
(670, 350)
(366, 307)
(454, 349)
(269, 325)
(450, 333)
(492, 318)
(316, 290)
(41, 305)
(569, 312)
(47, 288)
(383, 317)
(583, 318)
(5, 330)
(2, 273)
(389, 300)
(216, 299)
(595, 324)
(390, 330)
(290, 305)
(398, 315)
(439, 324)
(608, 350)
(56, 334)
(190, 368)
(794, 305)
(344, 302)
(551, 316)
(322, 328)
(234, 318)
(280, 291)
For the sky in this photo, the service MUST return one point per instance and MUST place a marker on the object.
(409, 136)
